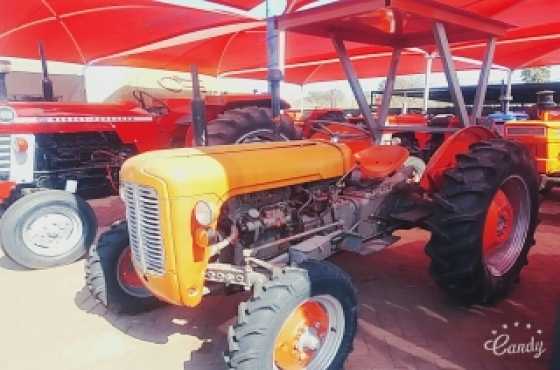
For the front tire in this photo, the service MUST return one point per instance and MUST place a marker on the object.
(111, 278)
(484, 221)
(48, 228)
(303, 318)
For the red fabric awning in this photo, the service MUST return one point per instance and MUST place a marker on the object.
(240, 4)
(148, 33)
(83, 31)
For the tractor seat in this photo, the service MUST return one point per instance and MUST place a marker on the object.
(380, 161)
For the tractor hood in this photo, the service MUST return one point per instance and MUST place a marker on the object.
(27, 112)
(226, 171)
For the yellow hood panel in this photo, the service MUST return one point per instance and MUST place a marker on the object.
(235, 169)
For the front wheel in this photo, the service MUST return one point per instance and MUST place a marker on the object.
(484, 221)
(303, 318)
(48, 228)
(111, 278)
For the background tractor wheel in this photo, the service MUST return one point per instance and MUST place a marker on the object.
(484, 221)
(47, 228)
(303, 318)
(246, 125)
(111, 278)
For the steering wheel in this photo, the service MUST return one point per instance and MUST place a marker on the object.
(150, 103)
(321, 126)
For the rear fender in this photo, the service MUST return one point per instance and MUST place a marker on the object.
(445, 157)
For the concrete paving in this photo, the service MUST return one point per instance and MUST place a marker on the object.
(49, 320)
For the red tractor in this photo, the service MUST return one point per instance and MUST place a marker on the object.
(53, 155)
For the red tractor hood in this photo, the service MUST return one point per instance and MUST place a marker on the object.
(34, 110)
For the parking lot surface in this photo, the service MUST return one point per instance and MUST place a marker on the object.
(50, 321)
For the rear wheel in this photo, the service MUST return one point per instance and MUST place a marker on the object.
(484, 221)
(303, 318)
(111, 278)
(246, 125)
(48, 228)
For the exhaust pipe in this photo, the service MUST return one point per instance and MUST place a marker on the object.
(48, 91)
(198, 110)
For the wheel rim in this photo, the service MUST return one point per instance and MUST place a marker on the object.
(52, 231)
(311, 336)
(259, 136)
(506, 226)
(127, 277)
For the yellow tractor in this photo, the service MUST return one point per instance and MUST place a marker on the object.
(541, 135)
(265, 217)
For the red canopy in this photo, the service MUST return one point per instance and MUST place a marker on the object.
(536, 43)
(83, 31)
(240, 4)
(148, 33)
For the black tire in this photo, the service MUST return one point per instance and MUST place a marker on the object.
(102, 276)
(458, 221)
(251, 340)
(23, 212)
(234, 125)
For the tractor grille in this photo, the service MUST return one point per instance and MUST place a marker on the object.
(5, 156)
(142, 212)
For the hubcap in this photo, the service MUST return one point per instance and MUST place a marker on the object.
(52, 231)
(127, 277)
(506, 226)
(311, 336)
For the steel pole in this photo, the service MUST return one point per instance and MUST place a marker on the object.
(273, 54)
(389, 87)
(427, 82)
(483, 80)
(444, 51)
(508, 98)
(357, 90)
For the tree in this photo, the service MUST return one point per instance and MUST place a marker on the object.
(536, 75)
(332, 98)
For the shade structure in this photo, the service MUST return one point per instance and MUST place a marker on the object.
(84, 31)
(239, 4)
(522, 48)
(535, 41)
(148, 33)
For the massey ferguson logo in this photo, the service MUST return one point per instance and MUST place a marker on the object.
(7, 114)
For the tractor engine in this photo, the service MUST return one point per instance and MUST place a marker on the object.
(275, 222)
(273, 215)
(92, 159)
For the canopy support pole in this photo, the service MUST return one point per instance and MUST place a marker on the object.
(389, 87)
(427, 82)
(444, 51)
(480, 95)
(274, 71)
(302, 95)
(352, 78)
(508, 98)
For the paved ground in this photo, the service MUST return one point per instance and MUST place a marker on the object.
(49, 321)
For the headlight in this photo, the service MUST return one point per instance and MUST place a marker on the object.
(203, 213)
(7, 114)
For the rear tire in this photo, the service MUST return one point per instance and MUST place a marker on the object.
(102, 275)
(462, 262)
(48, 228)
(245, 125)
(257, 337)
